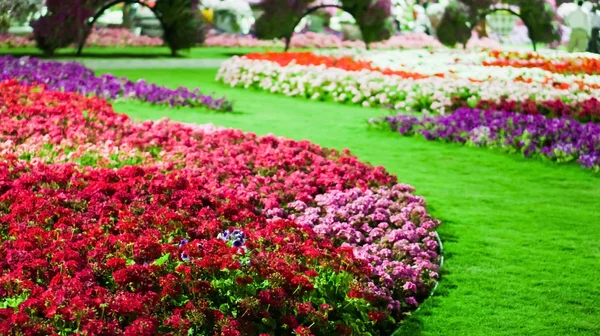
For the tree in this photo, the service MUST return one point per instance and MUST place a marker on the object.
(280, 17)
(71, 21)
(537, 15)
(455, 26)
(63, 24)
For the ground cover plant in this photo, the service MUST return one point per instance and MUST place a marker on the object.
(115, 227)
(565, 64)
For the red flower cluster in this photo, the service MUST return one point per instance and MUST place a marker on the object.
(565, 66)
(345, 63)
(168, 234)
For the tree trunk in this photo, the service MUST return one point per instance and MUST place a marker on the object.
(481, 29)
(127, 16)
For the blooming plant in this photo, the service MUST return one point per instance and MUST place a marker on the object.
(100, 37)
(407, 40)
(351, 81)
(564, 65)
(114, 227)
(559, 139)
(74, 77)
(120, 37)
(13, 41)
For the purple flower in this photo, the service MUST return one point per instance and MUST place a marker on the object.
(74, 77)
(558, 139)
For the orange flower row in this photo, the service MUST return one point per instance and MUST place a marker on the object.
(563, 65)
(345, 63)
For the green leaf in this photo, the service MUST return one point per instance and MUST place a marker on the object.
(162, 260)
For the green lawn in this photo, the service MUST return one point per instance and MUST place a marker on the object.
(521, 236)
(138, 52)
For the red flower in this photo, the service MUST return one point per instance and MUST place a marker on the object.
(142, 327)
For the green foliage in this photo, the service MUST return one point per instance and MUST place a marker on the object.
(13, 302)
(455, 26)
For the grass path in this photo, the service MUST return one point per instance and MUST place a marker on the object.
(521, 236)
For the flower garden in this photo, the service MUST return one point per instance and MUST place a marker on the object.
(388, 187)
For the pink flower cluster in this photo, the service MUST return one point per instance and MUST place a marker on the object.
(239, 41)
(483, 43)
(300, 40)
(321, 40)
(120, 37)
(408, 41)
(100, 37)
(387, 227)
(14, 41)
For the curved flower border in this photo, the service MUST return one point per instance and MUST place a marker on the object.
(209, 188)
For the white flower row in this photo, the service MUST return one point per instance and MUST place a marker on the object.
(463, 64)
(371, 88)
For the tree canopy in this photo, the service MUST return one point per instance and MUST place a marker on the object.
(280, 17)
(67, 22)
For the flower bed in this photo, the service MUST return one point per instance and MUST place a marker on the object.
(560, 139)
(120, 37)
(100, 37)
(564, 64)
(74, 77)
(331, 41)
(350, 81)
(458, 63)
(115, 227)
(12, 41)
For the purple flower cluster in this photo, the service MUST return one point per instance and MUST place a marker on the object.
(74, 77)
(388, 227)
(557, 139)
